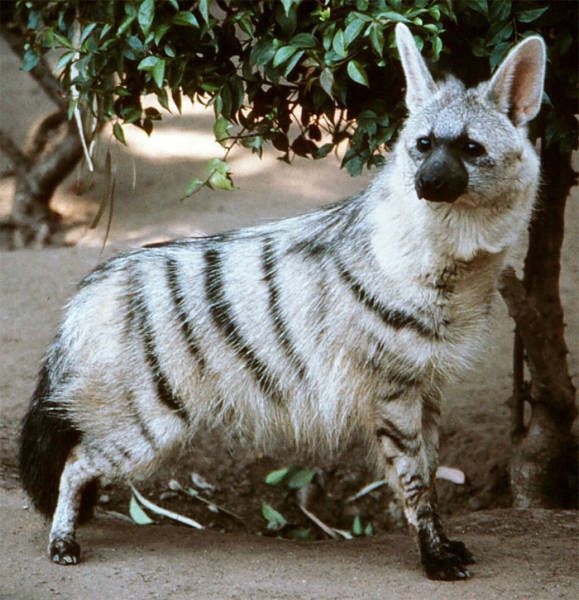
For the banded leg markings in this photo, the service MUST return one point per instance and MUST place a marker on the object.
(172, 268)
(140, 317)
(222, 314)
(280, 326)
(406, 443)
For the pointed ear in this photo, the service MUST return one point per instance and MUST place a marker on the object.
(517, 87)
(420, 86)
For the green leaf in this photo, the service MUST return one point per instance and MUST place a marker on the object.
(293, 62)
(160, 32)
(159, 72)
(87, 31)
(357, 526)
(327, 82)
(369, 529)
(499, 11)
(277, 476)
(480, 6)
(204, 10)
(174, 4)
(64, 41)
(219, 166)
(323, 151)
(338, 44)
(218, 181)
(300, 534)
(377, 41)
(435, 12)
(353, 31)
(163, 99)
(221, 128)
(300, 478)
(499, 52)
(304, 40)
(275, 520)
(354, 166)
(139, 516)
(283, 54)
(392, 16)
(145, 15)
(119, 133)
(436, 47)
(148, 63)
(125, 24)
(262, 52)
(287, 4)
(64, 60)
(185, 18)
(528, 16)
(357, 73)
(193, 186)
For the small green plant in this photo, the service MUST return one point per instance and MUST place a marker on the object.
(294, 477)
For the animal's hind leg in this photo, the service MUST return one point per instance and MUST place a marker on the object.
(81, 468)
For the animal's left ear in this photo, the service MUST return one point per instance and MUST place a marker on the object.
(517, 87)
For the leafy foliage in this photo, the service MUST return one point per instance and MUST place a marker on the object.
(302, 75)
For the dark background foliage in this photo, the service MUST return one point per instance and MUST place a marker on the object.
(290, 71)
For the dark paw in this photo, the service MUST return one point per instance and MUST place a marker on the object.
(444, 567)
(64, 551)
(459, 549)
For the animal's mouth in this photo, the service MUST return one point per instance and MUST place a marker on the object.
(439, 190)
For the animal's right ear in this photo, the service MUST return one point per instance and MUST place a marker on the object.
(420, 86)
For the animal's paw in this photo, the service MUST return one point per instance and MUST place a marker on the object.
(64, 551)
(459, 549)
(445, 566)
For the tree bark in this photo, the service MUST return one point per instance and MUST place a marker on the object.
(51, 152)
(544, 460)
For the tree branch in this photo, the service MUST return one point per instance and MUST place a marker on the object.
(531, 329)
(42, 73)
(11, 149)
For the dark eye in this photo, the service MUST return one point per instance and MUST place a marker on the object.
(424, 144)
(472, 148)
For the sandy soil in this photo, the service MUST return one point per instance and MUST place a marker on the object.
(520, 555)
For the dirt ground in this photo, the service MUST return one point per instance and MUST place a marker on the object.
(520, 554)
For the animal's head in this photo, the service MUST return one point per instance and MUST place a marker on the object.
(470, 145)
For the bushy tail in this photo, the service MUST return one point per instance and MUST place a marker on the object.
(47, 438)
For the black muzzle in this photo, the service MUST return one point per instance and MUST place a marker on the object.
(441, 177)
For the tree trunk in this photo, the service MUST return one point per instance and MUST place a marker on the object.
(544, 458)
(51, 154)
(52, 151)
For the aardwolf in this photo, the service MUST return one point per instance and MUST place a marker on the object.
(302, 333)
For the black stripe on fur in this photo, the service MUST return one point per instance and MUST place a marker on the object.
(140, 316)
(222, 315)
(178, 298)
(280, 326)
(391, 317)
(46, 440)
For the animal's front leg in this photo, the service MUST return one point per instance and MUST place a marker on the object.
(400, 434)
(431, 402)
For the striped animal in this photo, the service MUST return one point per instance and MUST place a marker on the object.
(302, 333)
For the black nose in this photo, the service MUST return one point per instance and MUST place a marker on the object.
(441, 177)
